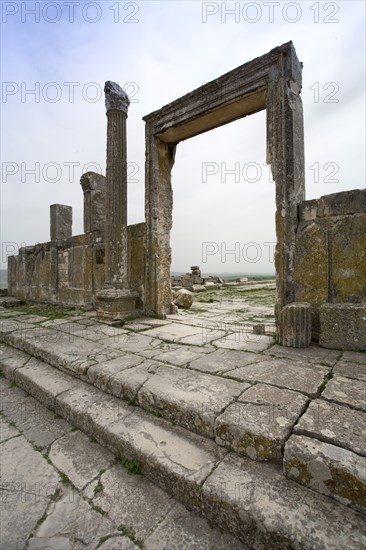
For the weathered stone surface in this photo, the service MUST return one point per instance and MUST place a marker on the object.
(93, 186)
(346, 391)
(313, 354)
(42, 381)
(40, 426)
(79, 458)
(91, 410)
(100, 375)
(179, 530)
(24, 470)
(334, 424)
(354, 356)
(265, 510)
(192, 400)
(295, 328)
(224, 361)
(74, 523)
(343, 326)
(259, 424)
(118, 543)
(351, 370)
(342, 203)
(244, 340)
(180, 355)
(61, 222)
(171, 457)
(11, 359)
(327, 469)
(132, 501)
(293, 375)
(7, 431)
(183, 298)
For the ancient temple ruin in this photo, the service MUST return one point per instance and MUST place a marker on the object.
(124, 270)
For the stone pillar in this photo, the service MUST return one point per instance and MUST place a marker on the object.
(116, 301)
(94, 189)
(61, 222)
(295, 325)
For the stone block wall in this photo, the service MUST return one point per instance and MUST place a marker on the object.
(330, 251)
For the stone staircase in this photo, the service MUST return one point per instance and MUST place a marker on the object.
(235, 437)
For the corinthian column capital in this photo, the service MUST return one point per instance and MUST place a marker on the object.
(115, 97)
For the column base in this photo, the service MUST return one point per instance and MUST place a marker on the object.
(115, 304)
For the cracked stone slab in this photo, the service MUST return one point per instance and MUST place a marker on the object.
(12, 359)
(34, 319)
(91, 410)
(7, 431)
(92, 331)
(36, 422)
(291, 375)
(312, 354)
(132, 500)
(118, 543)
(191, 399)
(127, 382)
(327, 469)
(74, 523)
(180, 529)
(171, 457)
(24, 470)
(99, 375)
(79, 458)
(180, 356)
(260, 422)
(19, 513)
(354, 356)
(351, 370)
(222, 360)
(334, 424)
(7, 326)
(131, 342)
(43, 382)
(265, 510)
(346, 392)
(245, 340)
(174, 332)
(60, 349)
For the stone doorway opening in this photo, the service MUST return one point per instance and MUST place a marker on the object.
(223, 222)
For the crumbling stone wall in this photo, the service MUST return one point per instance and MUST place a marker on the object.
(330, 251)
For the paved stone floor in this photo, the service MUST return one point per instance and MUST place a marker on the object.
(301, 410)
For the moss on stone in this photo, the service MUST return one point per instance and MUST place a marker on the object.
(304, 474)
(346, 485)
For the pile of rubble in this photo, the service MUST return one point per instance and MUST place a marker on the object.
(194, 281)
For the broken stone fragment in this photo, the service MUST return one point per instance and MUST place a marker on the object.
(183, 298)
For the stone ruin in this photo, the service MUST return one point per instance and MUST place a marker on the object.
(194, 281)
(124, 270)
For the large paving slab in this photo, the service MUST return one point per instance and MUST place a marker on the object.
(79, 458)
(191, 399)
(265, 510)
(336, 424)
(123, 383)
(71, 523)
(312, 354)
(347, 392)
(60, 349)
(132, 342)
(7, 430)
(354, 356)
(259, 424)
(177, 332)
(293, 375)
(223, 360)
(327, 469)
(100, 373)
(40, 426)
(356, 371)
(244, 340)
(181, 355)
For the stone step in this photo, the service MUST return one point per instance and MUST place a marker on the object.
(254, 417)
(250, 500)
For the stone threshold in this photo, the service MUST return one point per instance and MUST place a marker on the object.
(250, 500)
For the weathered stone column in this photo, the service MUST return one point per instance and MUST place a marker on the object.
(116, 301)
(295, 326)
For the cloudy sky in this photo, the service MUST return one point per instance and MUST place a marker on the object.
(57, 55)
